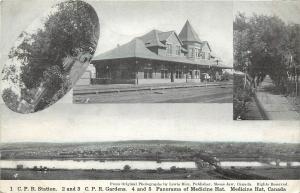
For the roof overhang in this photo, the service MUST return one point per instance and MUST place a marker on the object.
(161, 59)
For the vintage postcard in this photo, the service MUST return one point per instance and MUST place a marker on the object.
(149, 96)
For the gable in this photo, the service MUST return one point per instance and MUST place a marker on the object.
(173, 39)
(206, 47)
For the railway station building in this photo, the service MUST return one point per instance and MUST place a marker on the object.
(158, 57)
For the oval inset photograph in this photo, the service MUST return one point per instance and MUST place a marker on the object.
(49, 57)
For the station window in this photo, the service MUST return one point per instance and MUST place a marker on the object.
(147, 73)
(178, 48)
(197, 53)
(191, 53)
(164, 74)
(169, 49)
(179, 74)
(203, 55)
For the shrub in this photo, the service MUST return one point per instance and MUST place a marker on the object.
(241, 96)
(126, 168)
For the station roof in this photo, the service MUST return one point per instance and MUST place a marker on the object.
(188, 33)
(137, 49)
(152, 38)
(133, 49)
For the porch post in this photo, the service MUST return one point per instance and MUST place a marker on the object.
(136, 72)
(172, 73)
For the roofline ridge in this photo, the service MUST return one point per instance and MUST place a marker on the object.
(167, 31)
(177, 36)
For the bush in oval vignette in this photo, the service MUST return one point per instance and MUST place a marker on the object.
(45, 64)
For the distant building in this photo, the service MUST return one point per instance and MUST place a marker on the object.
(20, 167)
(158, 57)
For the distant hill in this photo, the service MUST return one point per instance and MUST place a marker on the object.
(22, 145)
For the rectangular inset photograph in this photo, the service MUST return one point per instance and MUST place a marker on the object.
(148, 160)
(266, 39)
(117, 142)
(160, 52)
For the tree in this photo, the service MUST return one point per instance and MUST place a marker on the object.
(159, 170)
(10, 98)
(10, 74)
(260, 47)
(69, 31)
(173, 169)
(73, 28)
(126, 168)
(294, 51)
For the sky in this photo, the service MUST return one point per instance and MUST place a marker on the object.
(119, 23)
(288, 11)
(66, 122)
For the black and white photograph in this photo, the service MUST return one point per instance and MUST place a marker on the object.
(49, 56)
(266, 60)
(115, 142)
(149, 160)
(149, 92)
(171, 54)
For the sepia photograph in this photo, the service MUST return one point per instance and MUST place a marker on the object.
(266, 39)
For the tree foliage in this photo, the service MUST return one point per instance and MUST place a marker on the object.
(70, 30)
(263, 46)
(10, 99)
(73, 27)
(10, 74)
(126, 168)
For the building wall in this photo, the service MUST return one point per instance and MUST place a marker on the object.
(158, 81)
(206, 51)
(191, 48)
(146, 72)
(174, 42)
(161, 51)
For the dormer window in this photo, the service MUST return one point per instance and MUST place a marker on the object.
(191, 53)
(197, 53)
(203, 55)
